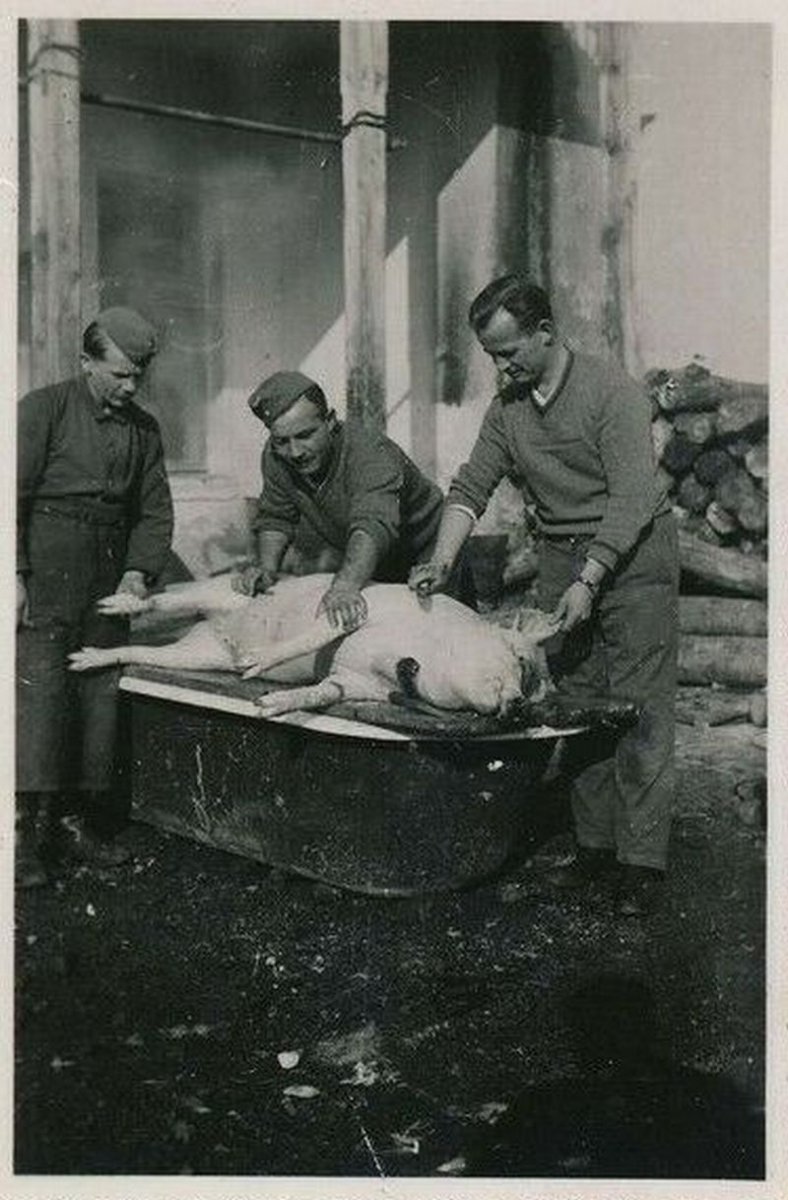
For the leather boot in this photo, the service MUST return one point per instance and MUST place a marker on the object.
(86, 837)
(32, 819)
(639, 890)
(588, 865)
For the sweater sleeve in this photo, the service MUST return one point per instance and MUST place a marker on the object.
(150, 536)
(34, 430)
(489, 462)
(276, 508)
(375, 475)
(627, 454)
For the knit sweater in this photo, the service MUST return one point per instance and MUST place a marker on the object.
(585, 459)
(370, 484)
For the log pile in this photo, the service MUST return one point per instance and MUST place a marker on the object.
(710, 439)
(711, 443)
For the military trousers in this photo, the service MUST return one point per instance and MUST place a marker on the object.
(66, 722)
(622, 788)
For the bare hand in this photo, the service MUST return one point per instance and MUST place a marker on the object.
(134, 583)
(574, 607)
(426, 578)
(344, 606)
(22, 602)
(123, 604)
(253, 580)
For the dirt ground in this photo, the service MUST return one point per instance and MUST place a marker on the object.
(197, 1013)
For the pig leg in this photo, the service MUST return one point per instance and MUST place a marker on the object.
(342, 685)
(319, 634)
(318, 695)
(180, 599)
(198, 650)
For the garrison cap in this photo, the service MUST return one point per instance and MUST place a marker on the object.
(130, 332)
(279, 392)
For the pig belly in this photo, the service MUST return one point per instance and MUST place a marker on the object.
(257, 626)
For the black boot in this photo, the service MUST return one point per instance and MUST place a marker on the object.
(639, 890)
(32, 821)
(88, 835)
(588, 865)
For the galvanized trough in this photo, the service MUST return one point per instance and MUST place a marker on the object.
(372, 797)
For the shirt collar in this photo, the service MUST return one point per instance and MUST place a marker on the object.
(543, 400)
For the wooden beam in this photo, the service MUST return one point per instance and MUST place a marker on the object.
(364, 78)
(53, 101)
(619, 319)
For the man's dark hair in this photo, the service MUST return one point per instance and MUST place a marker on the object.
(527, 302)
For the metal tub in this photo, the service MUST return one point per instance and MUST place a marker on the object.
(379, 808)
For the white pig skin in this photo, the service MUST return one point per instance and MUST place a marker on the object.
(464, 663)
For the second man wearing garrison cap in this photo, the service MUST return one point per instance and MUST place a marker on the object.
(356, 495)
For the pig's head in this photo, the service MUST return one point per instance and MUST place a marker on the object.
(526, 636)
(486, 670)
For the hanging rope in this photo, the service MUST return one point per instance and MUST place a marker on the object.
(68, 48)
(364, 117)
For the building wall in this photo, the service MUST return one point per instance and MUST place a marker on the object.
(234, 240)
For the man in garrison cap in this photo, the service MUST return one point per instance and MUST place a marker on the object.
(94, 516)
(354, 494)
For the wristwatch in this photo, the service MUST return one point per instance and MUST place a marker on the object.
(593, 588)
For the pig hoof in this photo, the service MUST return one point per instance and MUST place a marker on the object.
(122, 604)
(87, 659)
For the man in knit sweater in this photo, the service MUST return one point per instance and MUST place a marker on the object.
(574, 432)
(365, 506)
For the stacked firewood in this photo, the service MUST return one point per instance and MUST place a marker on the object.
(710, 436)
(710, 439)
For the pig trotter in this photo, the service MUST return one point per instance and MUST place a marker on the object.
(123, 604)
(319, 695)
(92, 658)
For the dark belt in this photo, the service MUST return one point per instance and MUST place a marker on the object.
(89, 512)
(566, 539)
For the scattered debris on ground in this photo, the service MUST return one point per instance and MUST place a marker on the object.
(197, 1014)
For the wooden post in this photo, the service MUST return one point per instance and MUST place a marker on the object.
(364, 74)
(620, 327)
(53, 98)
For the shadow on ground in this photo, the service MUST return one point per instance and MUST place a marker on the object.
(199, 1014)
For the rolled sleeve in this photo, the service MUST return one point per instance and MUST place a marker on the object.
(489, 462)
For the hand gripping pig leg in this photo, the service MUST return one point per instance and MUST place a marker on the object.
(181, 599)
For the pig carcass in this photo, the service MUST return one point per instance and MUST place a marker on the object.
(435, 651)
